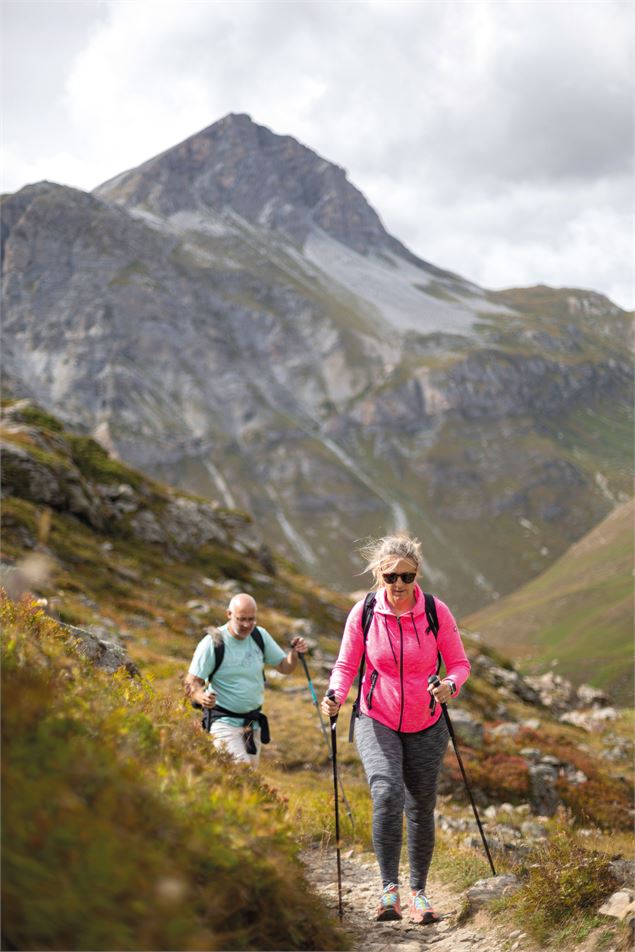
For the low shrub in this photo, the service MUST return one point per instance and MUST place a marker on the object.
(564, 883)
(603, 802)
(499, 776)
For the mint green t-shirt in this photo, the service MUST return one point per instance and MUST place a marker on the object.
(238, 683)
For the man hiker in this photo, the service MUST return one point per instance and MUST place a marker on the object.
(226, 678)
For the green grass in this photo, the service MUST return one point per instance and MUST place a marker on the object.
(579, 611)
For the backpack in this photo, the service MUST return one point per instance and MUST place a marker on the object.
(219, 654)
(367, 617)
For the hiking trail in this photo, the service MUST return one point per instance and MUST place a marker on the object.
(360, 894)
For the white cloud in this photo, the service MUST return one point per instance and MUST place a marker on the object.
(493, 137)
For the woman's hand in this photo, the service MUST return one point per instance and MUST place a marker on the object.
(330, 706)
(299, 645)
(442, 692)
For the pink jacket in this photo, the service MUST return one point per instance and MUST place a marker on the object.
(400, 655)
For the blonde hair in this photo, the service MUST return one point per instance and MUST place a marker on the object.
(380, 554)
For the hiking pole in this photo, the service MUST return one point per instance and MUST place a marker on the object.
(434, 680)
(331, 695)
(349, 812)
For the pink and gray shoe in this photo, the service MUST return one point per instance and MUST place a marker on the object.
(389, 904)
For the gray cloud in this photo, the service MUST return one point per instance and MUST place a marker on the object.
(495, 138)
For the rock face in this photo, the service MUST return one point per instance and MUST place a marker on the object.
(233, 318)
(266, 179)
(75, 475)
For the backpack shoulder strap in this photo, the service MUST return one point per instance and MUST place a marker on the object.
(219, 652)
(433, 622)
(367, 616)
(256, 634)
(431, 613)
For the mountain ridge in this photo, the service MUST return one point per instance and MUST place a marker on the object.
(332, 393)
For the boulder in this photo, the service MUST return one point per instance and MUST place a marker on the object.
(624, 871)
(102, 653)
(621, 905)
(543, 795)
(510, 682)
(486, 890)
(554, 691)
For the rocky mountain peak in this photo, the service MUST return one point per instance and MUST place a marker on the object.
(273, 181)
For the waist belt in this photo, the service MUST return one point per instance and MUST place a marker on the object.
(249, 718)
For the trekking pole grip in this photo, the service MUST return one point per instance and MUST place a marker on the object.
(333, 718)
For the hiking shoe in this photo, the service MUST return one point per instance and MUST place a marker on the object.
(389, 905)
(420, 909)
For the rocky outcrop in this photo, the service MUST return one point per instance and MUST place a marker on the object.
(50, 468)
(102, 652)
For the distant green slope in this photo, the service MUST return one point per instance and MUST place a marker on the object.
(577, 615)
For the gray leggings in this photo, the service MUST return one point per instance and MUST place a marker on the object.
(402, 771)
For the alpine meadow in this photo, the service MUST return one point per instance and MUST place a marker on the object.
(221, 373)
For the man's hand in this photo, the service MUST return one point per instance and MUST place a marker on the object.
(204, 698)
(288, 664)
(195, 690)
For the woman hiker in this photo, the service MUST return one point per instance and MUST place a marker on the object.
(400, 733)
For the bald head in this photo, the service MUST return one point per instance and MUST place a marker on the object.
(242, 612)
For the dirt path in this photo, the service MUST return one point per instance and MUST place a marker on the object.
(360, 889)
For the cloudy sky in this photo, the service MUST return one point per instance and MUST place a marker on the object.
(493, 137)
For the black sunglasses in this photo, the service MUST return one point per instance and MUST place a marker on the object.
(391, 577)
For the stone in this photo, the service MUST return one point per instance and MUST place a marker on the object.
(532, 830)
(624, 871)
(574, 776)
(621, 905)
(554, 691)
(589, 696)
(485, 891)
(102, 653)
(466, 728)
(531, 724)
(544, 797)
(505, 730)
(509, 681)
(590, 720)
(531, 753)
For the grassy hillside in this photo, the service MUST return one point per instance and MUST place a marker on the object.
(123, 828)
(120, 831)
(577, 616)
